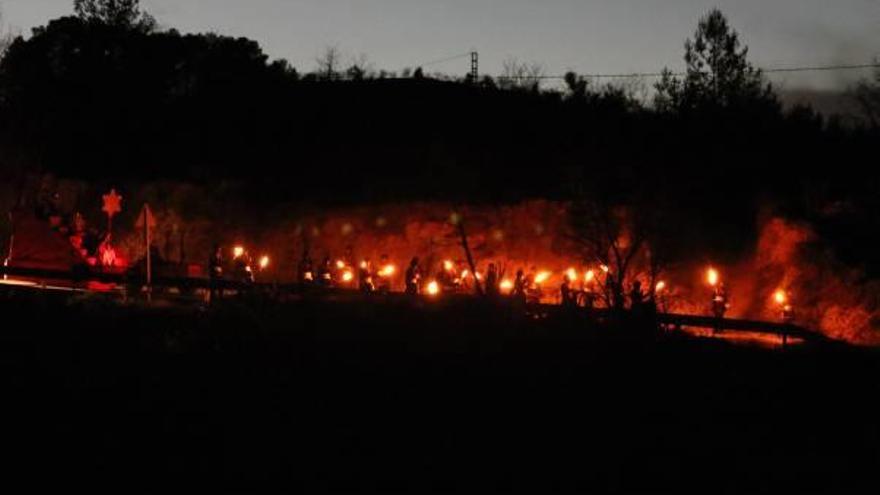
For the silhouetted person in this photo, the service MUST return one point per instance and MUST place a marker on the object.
(492, 281)
(520, 285)
(788, 314)
(588, 295)
(241, 269)
(569, 299)
(719, 305)
(325, 273)
(365, 277)
(636, 297)
(533, 291)
(719, 301)
(413, 277)
(306, 270)
(446, 278)
(215, 274)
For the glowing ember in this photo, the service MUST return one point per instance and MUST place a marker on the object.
(660, 286)
(712, 277)
(542, 277)
(590, 276)
(340, 264)
(433, 288)
(347, 276)
(264, 262)
(237, 252)
(780, 297)
(572, 274)
(448, 265)
(364, 264)
(388, 271)
(605, 268)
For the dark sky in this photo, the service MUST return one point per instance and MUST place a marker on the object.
(589, 36)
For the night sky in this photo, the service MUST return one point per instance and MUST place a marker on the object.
(589, 36)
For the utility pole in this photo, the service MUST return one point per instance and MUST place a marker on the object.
(475, 66)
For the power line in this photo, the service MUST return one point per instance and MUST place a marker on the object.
(817, 68)
(445, 59)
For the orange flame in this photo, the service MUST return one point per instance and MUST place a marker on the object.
(264, 262)
(780, 297)
(388, 271)
(542, 277)
(572, 274)
(433, 288)
(237, 252)
(347, 276)
(506, 285)
(712, 277)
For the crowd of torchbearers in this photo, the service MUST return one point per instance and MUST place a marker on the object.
(592, 289)
(597, 288)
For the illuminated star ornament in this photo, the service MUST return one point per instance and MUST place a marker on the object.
(112, 203)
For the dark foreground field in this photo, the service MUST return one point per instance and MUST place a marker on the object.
(350, 397)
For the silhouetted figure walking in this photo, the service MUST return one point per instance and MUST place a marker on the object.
(242, 270)
(325, 273)
(569, 299)
(719, 301)
(365, 277)
(636, 297)
(719, 305)
(306, 274)
(215, 274)
(492, 290)
(520, 285)
(413, 277)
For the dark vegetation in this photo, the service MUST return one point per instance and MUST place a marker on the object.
(390, 396)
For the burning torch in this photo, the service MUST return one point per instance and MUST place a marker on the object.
(433, 288)
(719, 295)
(783, 301)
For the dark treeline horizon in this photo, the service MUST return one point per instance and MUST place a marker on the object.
(117, 100)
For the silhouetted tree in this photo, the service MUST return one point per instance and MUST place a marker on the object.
(359, 69)
(718, 72)
(576, 85)
(329, 63)
(120, 13)
(520, 75)
(867, 95)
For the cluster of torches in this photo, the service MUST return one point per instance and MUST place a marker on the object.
(432, 287)
(780, 298)
(239, 252)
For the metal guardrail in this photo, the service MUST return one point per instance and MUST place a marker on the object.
(77, 278)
